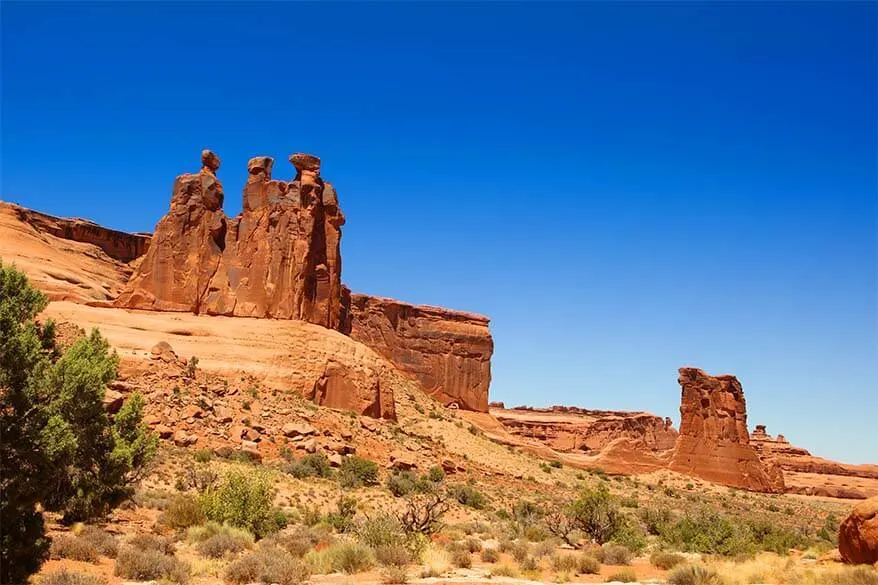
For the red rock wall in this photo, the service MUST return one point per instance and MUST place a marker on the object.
(448, 352)
(280, 258)
(714, 442)
(118, 245)
(572, 429)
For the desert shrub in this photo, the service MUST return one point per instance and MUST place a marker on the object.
(149, 565)
(665, 560)
(105, 543)
(519, 550)
(203, 455)
(435, 474)
(853, 576)
(299, 540)
(151, 542)
(656, 519)
(536, 533)
(473, 545)
(243, 499)
(588, 565)
(267, 564)
(392, 555)
(567, 562)
(596, 513)
(423, 513)
(356, 472)
(311, 465)
(65, 577)
(694, 575)
(468, 496)
(352, 557)
(490, 555)
(224, 542)
(529, 564)
(504, 571)
(379, 531)
(613, 554)
(544, 548)
(60, 447)
(623, 576)
(183, 512)
(461, 558)
(343, 518)
(630, 535)
(770, 536)
(394, 575)
(74, 548)
(711, 532)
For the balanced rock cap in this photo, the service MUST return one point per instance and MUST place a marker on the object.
(260, 165)
(210, 160)
(305, 162)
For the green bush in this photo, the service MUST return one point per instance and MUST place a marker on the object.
(666, 560)
(343, 518)
(656, 519)
(468, 496)
(352, 557)
(435, 474)
(149, 565)
(311, 465)
(65, 577)
(596, 513)
(694, 575)
(708, 531)
(184, 511)
(630, 535)
(243, 499)
(357, 472)
(60, 448)
(402, 483)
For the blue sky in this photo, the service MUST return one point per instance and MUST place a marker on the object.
(623, 188)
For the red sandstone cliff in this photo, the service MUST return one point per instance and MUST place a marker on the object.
(279, 258)
(448, 352)
(570, 429)
(714, 443)
(810, 475)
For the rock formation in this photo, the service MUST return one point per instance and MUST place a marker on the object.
(858, 534)
(279, 258)
(809, 475)
(448, 352)
(570, 429)
(714, 443)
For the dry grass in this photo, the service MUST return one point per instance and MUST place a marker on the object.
(65, 577)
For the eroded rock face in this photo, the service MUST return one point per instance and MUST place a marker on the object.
(279, 258)
(714, 443)
(858, 534)
(358, 391)
(448, 352)
(807, 474)
(571, 429)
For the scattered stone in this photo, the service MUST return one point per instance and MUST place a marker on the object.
(335, 460)
(113, 401)
(297, 429)
(192, 411)
(163, 351)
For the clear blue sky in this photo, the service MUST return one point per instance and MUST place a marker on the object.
(622, 188)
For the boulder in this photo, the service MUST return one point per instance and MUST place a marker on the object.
(713, 442)
(113, 401)
(858, 534)
(163, 351)
(297, 429)
(355, 389)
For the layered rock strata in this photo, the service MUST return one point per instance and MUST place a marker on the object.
(569, 429)
(448, 352)
(714, 443)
